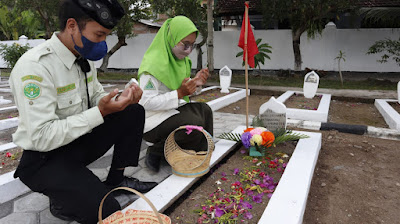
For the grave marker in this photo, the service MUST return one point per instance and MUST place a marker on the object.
(398, 92)
(273, 114)
(225, 76)
(311, 82)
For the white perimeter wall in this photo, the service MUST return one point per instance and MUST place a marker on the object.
(318, 53)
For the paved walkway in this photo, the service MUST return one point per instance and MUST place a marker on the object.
(33, 208)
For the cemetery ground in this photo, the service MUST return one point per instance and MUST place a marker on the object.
(356, 179)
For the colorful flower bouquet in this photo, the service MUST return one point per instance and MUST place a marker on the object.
(259, 139)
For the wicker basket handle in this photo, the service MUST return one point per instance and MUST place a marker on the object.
(133, 191)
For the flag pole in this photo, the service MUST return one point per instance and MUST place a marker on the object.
(246, 30)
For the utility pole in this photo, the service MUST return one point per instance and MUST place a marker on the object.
(210, 36)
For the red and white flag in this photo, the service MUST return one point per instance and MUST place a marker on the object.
(251, 42)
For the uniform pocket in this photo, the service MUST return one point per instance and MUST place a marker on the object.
(65, 101)
(68, 104)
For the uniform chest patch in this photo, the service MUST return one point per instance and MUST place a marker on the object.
(32, 91)
(149, 85)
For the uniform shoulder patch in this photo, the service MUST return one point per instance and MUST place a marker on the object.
(149, 85)
(32, 91)
(32, 77)
(66, 88)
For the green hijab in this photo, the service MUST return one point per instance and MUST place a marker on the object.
(159, 60)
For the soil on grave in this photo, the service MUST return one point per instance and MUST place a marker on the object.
(395, 106)
(9, 160)
(298, 101)
(356, 180)
(211, 95)
(341, 110)
(182, 210)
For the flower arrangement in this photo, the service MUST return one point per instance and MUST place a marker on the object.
(259, 139)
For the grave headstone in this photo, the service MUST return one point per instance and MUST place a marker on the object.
(311, 82)
(225, 77)
(273, 114)
(398, 91)
(4, 101)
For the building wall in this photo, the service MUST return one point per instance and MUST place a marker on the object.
(318, 53)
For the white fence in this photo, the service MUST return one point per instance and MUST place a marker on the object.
(318, 53)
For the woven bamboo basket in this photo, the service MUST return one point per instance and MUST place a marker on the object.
(132, 216)
(186, 162)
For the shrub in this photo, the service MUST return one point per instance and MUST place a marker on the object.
(11, 53)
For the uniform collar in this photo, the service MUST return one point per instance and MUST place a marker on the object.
(65, 55)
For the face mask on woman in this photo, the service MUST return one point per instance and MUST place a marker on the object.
(182, 50)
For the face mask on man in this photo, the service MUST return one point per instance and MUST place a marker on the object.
(182, 50)
(91, 50)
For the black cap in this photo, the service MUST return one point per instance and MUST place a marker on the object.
(106, 12)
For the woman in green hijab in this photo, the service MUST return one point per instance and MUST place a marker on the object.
(164, 77)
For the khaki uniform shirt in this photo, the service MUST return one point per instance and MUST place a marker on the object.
(50, 93)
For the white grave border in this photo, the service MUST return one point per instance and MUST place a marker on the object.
(288, 203)
(321, 114)
(225, 100)
(391, 116)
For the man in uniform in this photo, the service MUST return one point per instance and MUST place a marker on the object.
(66, 119)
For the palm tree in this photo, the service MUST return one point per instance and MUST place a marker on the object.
(386, 15)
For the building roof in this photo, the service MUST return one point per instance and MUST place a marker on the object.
(236, 7)
(150, 23)
(379, 3)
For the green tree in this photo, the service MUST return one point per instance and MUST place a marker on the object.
(11, 53)
(191, 9)
(8, 22)
(263, 49)
(389, 16)
(306, 15)
(341, 57)
(30, 25)
(14, 24)
(135, 10)
(389, 48)
(46, 10)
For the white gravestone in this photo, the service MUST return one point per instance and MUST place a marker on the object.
(225, 76)
(398, 91)
(4, 101)
(311, 82)
(273, 114)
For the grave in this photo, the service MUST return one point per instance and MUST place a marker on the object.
(4, 101)
(310, 87)
(225, 100)
(225, 77)
(287, 204)
(391, 116)
(273, 114)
